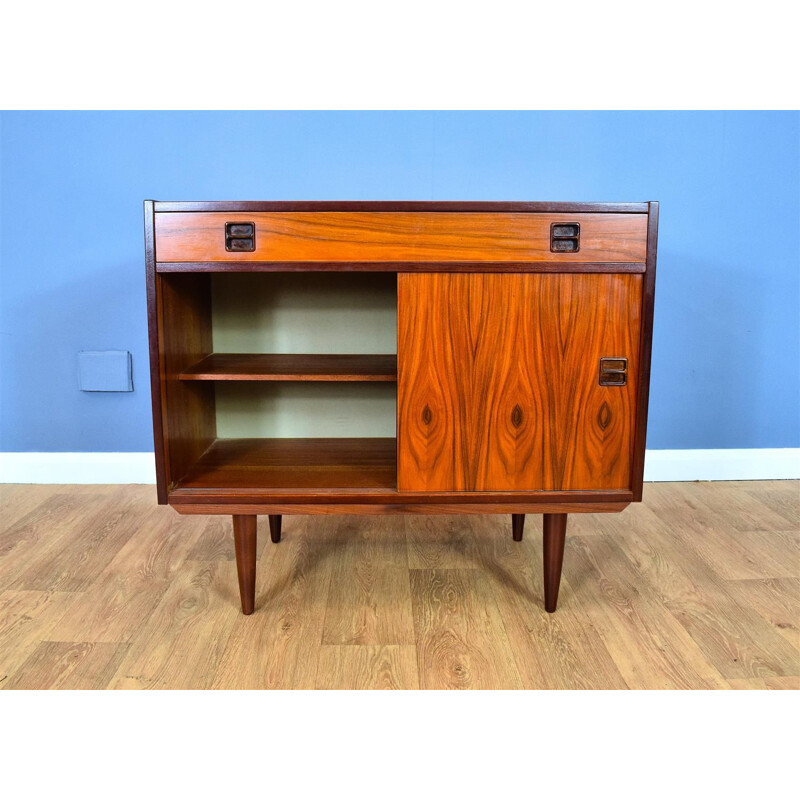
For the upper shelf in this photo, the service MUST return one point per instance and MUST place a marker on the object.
(292, 367)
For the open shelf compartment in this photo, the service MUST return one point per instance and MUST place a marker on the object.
(279, 381)
(353, 463)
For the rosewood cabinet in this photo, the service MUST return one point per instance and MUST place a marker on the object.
(383, 358)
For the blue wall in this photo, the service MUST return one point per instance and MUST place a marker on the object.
(726, 344)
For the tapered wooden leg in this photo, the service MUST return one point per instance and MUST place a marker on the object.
(517, 524)
(275, 527)
(244, 540)
(555, 534)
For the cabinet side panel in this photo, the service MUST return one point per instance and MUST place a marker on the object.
(188, 414)
(645, 348)
(162, 479)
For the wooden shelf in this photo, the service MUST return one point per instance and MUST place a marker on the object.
(292, 367)
(295, 464)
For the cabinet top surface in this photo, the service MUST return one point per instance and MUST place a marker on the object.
(399, 205)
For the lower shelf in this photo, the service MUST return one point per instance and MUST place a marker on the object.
(296, 464)
(354, 476)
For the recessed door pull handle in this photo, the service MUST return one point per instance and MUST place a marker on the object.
(613, 371)
(240, 237)
(565, 237)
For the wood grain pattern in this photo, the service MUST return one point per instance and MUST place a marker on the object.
(731, 634)
(777, 600)
(292, 367)
(455, 619)
(345, 470)
(633, 627)
(474, 412)
(369, 600)
(127, 591)
(69, 665)
(182, 642)
(295, 464)
(72, 566)
(638, 607)
(26, 619)
(348, 236)
(38, 535)
(367, 667)
(184, 337)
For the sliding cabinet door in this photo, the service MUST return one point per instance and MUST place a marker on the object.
(499, 381)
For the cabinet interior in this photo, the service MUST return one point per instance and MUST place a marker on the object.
(283, 356)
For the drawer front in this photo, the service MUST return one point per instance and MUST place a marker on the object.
(424, 237)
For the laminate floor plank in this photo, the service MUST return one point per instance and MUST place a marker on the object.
(735, 638)
(696, 587)
(69, 665)
(26, 619)
(443, 542)
(647, 643)
(460, 636)
(783, 497)
(180, 645)
(17, 500)
(369, 599)
(705, 506)
(743, 511)
(96, 538)
(46, 529)
(368, 667)
(777, 682)
(777, 600)
(131, 586)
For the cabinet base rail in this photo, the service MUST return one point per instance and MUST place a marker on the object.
(245, 538)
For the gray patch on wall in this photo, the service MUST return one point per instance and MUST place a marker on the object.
(105, 371)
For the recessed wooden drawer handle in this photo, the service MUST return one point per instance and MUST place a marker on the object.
(565, 237)
(613, 371)
(240, 237)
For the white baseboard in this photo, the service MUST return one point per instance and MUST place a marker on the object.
(77, 468)
(660, 465)
(722, 465)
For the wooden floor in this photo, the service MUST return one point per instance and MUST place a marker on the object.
(698, 587)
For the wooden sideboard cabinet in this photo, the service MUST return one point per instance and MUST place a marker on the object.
(399, 358)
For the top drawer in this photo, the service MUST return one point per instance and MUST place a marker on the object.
(389, 236)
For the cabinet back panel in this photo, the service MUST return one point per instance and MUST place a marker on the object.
(498, 381)
(303, 410)
(305, 313)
